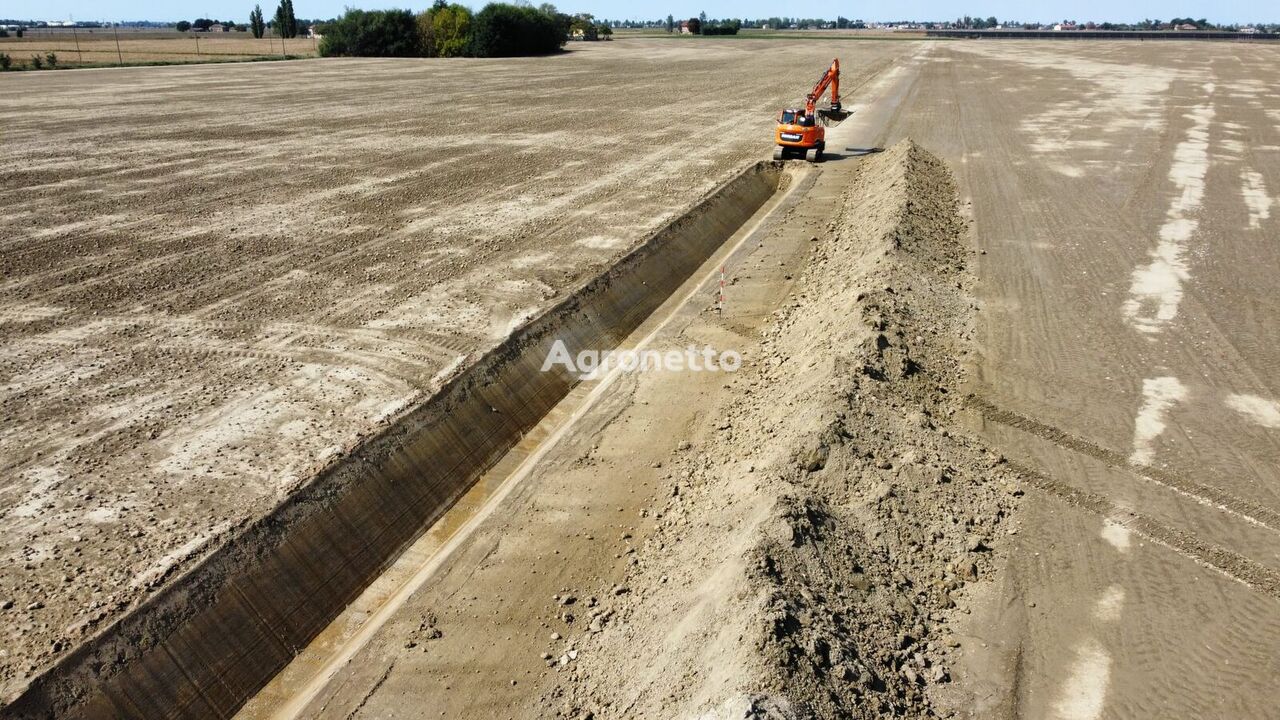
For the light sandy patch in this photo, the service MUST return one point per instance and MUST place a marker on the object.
(531, 260)
(1124, 96)
(600, 242)
(448, 370)
(1085, 690)
(102, 515)
(225, 443)
(1256, 197)
(1116, 534)
(162, 566)
(1070, 171)
(1156, 288)
(43, 481)
(26, 313)
(1159, 394)
(1259, 410)
(1110, 605)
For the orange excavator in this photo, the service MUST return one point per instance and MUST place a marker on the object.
(803, 130)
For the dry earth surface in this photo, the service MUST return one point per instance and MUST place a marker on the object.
(788, 541)
(99, 47)
(193, 328)
(678, 556)
(1124, 197)
(216, 280)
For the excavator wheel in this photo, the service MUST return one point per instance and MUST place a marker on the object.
(779, 153)
(813, 155)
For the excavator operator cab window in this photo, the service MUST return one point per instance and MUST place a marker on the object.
(796, 117)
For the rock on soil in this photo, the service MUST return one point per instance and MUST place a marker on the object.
(808, 560)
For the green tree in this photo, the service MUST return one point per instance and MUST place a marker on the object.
(445, 30)
(36, 62)
(256, 24)
(502, 30)
(52, 59)
(182, 26)
(585, 27)
(372, 33)
(5, 61)
(671, 23)
(695, 26)
(286, 25)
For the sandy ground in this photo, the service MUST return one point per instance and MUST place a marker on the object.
(1123, 202)
(1125, 198)
(788, 539)
(98, 47)
(216, 280)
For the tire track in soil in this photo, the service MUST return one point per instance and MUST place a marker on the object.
(1231, 564)
(1215, 557)
(1249, 511)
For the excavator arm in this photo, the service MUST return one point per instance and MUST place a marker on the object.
(831, 79)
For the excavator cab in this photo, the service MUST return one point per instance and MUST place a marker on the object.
(799, 132)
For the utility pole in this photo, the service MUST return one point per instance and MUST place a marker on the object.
(74, 34)
(197, 46)
(119, 56)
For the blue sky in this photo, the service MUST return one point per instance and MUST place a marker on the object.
(1115, 10)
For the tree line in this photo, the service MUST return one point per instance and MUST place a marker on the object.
(448, 30)
(284, 24)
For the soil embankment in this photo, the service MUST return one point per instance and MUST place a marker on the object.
(812, 549)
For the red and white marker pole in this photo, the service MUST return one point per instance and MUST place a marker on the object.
(720, 297)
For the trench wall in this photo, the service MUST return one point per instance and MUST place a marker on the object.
(210, 639)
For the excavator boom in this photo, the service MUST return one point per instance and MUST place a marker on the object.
(830, 79)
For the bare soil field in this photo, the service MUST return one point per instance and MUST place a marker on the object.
(1004, 443)
(218, 280)
(1125, 198)
(99, 47)
(1096, 499)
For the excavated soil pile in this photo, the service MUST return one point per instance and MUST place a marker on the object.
(816, 544)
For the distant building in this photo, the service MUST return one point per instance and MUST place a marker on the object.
(684, 28)
(217, 27)
(1186, 26)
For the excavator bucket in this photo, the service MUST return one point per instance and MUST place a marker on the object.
(833, 116)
